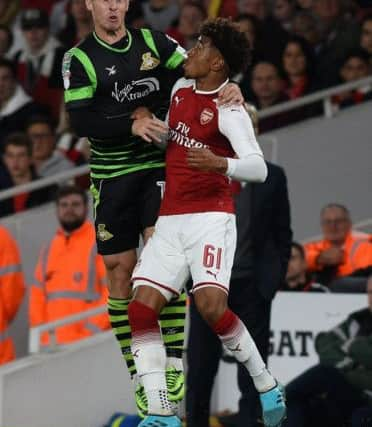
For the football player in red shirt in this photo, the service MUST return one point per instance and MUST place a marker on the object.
(195, 234)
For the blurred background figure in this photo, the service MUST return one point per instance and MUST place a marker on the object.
(192, 14)
(39, 62)
(160, 14)
(46, 159)
(70, 276)
(339, 34)
(341, 250)
(298, 67)
(366, 35)
(6, 41)
(297, 277)
(77, 23)
(306, 25)
(18, 170)
(327, 394)
(355, 65)
(15, 105)
(283, 12)
(12, 290)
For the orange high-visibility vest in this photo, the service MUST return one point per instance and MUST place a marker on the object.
(70, 277)
(12, 290)
(357, 249)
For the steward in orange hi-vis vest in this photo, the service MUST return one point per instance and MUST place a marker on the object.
(70, 278)
(12, 289)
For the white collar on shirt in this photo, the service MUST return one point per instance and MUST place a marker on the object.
(210, 92)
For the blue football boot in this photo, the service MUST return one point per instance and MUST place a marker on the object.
(273, 406)
(160, 421)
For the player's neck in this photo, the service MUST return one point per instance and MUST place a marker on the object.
(111, 37)
(210, 83)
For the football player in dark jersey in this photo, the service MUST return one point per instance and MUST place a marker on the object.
(117, 84)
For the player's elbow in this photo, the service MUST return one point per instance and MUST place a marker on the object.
(261, 171)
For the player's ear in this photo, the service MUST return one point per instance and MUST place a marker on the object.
(218, 63)
(88, 4)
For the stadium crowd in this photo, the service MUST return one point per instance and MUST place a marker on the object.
(299, 47)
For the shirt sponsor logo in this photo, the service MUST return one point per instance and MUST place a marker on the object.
(206, 116)
(180, 136)
(137, 89)
(103, 234)
(149, 62)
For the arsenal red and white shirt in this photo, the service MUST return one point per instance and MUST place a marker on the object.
(195, 120)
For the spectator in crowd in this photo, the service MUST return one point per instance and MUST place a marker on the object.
(70, 276)
(76, 149)
(192, 15)
(78, 23)
(12, 288)
(339, 34)
(297, 277)
(283, 12)
(15, 105)
(8, 12)
(268, 90)
(355, 66)
(328, 393)
(45, 5)
(366, 35)
(160, 14)
(298, 66)
(46, 159)
(272, 35)
(267, 85)
(39, 62)
(306, 25)
(342, 250)
(249, 25)
(6, 40)
(264, 238)
(304, 4)
(18, 170)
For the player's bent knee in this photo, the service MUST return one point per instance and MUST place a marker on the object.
(141, 316)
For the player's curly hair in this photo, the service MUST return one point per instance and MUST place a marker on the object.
(231, 42)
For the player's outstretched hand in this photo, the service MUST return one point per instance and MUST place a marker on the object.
(150, 129)
(204, 160)
(230, 95)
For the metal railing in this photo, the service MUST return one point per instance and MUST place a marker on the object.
(44, 182)
(323, 95)
(34, 341)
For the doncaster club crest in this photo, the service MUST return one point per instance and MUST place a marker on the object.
(206, 116)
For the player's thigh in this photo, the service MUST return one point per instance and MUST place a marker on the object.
(211, 249)
(163, 264)
(152, 189)
(116, 214)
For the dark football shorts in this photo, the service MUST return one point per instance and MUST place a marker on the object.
(124, 206)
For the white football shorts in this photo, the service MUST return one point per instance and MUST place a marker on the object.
(200, 244)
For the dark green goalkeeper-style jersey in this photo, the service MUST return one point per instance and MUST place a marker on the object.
(109, 82)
